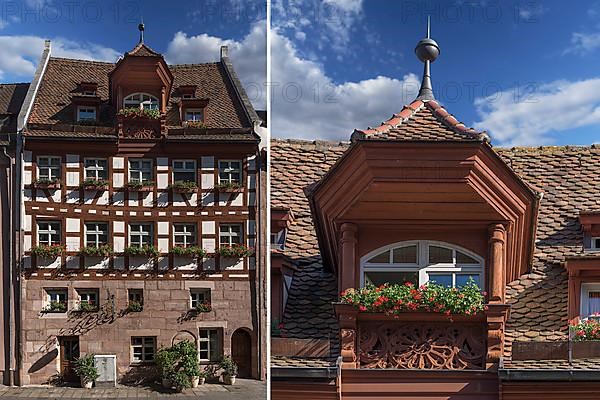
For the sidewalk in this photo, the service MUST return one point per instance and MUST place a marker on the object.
(244, 389)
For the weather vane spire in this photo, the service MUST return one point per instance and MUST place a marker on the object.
(427, 51)
(141, 28)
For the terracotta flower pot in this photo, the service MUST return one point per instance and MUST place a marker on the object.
(229, 380)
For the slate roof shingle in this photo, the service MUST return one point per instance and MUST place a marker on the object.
(11, 99)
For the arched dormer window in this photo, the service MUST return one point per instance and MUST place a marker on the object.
(421, 262)
(141, 100)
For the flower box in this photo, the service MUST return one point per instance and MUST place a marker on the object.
(46, 184)
(190, 251)
(93, 251)
(45, 251)
(145, 250)
(94, 184)
(586, 330)
(55, 307)
(86, 307)
(195, 124)
(138, 113)
(184, 187)
(135, 306)
(229, 187)
(235, 251)
(203, 308)
(146, 186)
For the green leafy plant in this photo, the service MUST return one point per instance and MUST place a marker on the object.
(203, 374)
(195, 124)
(134, 112)
(84, 306)
(44, 182)
(235, 251)
(228, 186)
(48, 251)
(184, 186)
(55, 306)
(397, 299)
(165, 360)
(85, 369)
(145, 250)
(94, 183)
(137, 185)
(228, 366)
(179, 363)
(135, 306)
(190, 251)
(99, 251)
(586, 330)
(203, 307)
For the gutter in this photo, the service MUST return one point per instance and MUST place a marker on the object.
(19, 210)
(580, 375)
(304, 372)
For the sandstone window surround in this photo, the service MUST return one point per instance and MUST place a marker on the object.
(421, 262)
(96, 234)
(48, 167)
(210, 345)
(230, 234)
(199, 296)
(230, 171)
(48, 233)
(58, 296)
(143, 349)
(184, 171)
(184, 235)
(96, 168)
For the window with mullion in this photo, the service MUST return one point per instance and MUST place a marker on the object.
(141, 100)
(48, 233)
(140, 234)
(96, 234)
(140, 170)
(57, 295)
(184, 234)
(143, 348)
(208, 345)
(96, 168)
(184, 171)
(196, 115)
(89, 296)
(199, 296)
(230, 234)
(230, 171)
(48, 167)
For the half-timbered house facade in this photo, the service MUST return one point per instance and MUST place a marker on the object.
(142, 200)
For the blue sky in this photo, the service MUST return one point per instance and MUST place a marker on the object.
(527, 71)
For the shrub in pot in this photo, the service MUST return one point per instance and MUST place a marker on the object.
(202, 377)
(230, 370)
(86, 370)
(166, 360)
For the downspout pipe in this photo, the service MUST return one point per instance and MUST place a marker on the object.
(8, 362)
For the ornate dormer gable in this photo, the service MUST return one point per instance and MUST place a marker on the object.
(141, 77)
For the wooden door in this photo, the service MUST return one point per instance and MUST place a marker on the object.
(241, 352)
(69, 352)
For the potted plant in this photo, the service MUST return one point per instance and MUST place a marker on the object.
(45, 183)
(203, 307)
(135, 112)
(103, 250)
(94, 184)
(55, 307)
(184, 187)
(235, 251)
(202, 376)
(195, 124)
(140, 186)
(190, 251)
(135, 306)
(47, 251)
(86, 370)
(84, 306)
(165, 360)
(190, 366)
(230, 370)
(145, 250)
(229, 186)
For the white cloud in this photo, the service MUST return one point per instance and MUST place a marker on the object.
(249, 56)
(326, 110)
(552, 108)
(19, 54)
(583, 43)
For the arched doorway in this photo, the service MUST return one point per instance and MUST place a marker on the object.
(241, 352)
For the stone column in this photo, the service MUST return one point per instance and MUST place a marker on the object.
(347, 257)
(497, 240)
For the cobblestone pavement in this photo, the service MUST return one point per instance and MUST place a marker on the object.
(243, 389)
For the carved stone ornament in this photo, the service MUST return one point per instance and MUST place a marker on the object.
(429, 346)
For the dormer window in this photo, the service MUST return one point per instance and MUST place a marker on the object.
(187, 96)
(85, 113)
(595, 244)
(88, 93)
(88, 89)
(141, 100)
(194, 115)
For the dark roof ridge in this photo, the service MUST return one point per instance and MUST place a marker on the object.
(308, 142)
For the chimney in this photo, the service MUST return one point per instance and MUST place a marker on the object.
(224, 52)
(47, 44)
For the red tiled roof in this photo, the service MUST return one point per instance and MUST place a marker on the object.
(11, 99)
(421, 121)
(142, 50)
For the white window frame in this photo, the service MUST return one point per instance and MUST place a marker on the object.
(141, 233)
(586, 288)
(142, 101)
(50, 171)
(194, 112)
(189, 237)
(139, 171)
(95, 171)
(593, 241)
(97, 232)
(88, 295)
(229, 234)
(199, 295)
(55, 295)
(147, 341)
(54, 233)
(422, 266)
(187, 168)
(225, 167)
(206, 346)
(86, 108)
